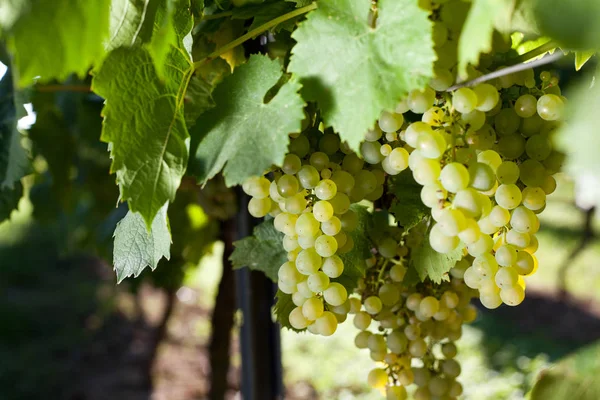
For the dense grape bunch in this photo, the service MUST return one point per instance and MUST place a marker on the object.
(483, 156)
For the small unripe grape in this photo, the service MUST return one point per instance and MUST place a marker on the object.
(389, 294)
(288, 186)
(390, 122)
(526, 106)
(373, 305)
(449, 350)
(417, 348)
(397, 342)
(361, 340)
(362, 320)
(397, 273)
(377, 343)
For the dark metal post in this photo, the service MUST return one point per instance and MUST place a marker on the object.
(260, 341)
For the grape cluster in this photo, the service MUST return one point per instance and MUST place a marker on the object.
(415, 327)
(310, 198)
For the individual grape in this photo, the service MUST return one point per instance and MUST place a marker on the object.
(361, 340)
(257, 187)
(398, 159)
(308, 261)
(300, 146)
(377, 378)
(297, 319)
(329, 143)
(326, 189)
(322, 211)
(343, 180)
(373, 305)
(431, 144)
(417, 348)
(258, 208)
(523, 220)
(419, 101)
(480, 247)
(532, 173)
(332, 226)
(550, 107)
(307, 225)
(290, 243)
(352, 163)
(490, 300)
(377, 343)
(554, 162)
(538, 147)
(291, 164)
(506, 255)
(525, 263)
(326, 324)
(440, 242)
(511, 146)
(491, 158)
(366, 181)
(534, 198)
(414, 131)
(512, 296)
(526, 106)
(469, 202)
(395, 393)
(482, 176)
(508, 196)
(486, 226)
(481, 139)
(549, 185)
(296, 204)
(287, 186)
(454, 177)
(472, 278)
(319, 160)
(432, 195)
(312, 308)
(349, 221)
(427, 172)
(397, 273)
(507, 122)
(389, 294)
(333, 266)
(508, 172)
(335, 294)
(471, 233)
(464, 100)
(506, 277)
(374, 134)
(474, 119)
(455, 389)
(531, 126)
(318, 282)
(326, 173)
(487, 97)
(326, 246)
(286, 223)
(306, 242)
(451, 222)
(390, 122)
(499, 216)
(340, 203)
(385, 150)
(308, 176)
(429, 306)
(371, 152)
(387, 247)
(518, 239)
(303, 289)
(449, 350)
(298, 298)
(288, 273)
(362, 320)
(434, 116)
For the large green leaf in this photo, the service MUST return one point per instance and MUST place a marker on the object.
(433, 265)
(131, 22)
(136, 248)
(52, 39)
(575, 377)
(14, 163)
(243, 134)
(355, 71)
(262, 251)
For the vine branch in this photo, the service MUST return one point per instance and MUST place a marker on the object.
(255, 32)
(547, 59)
(217, 15)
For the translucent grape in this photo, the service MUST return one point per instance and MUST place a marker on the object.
(395, 393)
(506, 277)
(526, 106)
(432, 195)
(326, 246)
(349, 221)
(319, 160)
(414, 131)
(471, 233)
(512, 296)
(474, 119)
(550, 107)
(427, 171)
(325, 189)
(308, 176)
(366, 181)
(487, 97)
(508, 196)
(507, 122)
(286, 223)
(318, 282)
(434, 116)
(362, 320)
(300, 146)
(322, 211)
(291, 164)
(454, 177)
(333, 266)
(306, 242)
(480, 247)
(288, 273)
(538, 147)
(451, 222)
(442, 79)
(307, 225)
(326, 324)
(389, 294)
(469, 202)
(256, 186)
(499, 216)
(397, 159)
(554, 162)
(464, 100)
(534, 198)
(490, 300)
(258, 208)
(440, 242)
(506, 255)
(491, 158)
(343, 180)
(420, 101)
(390, 122)
(361, 339)
(296, 204)
(308, 261)
(508, 172)
(335, 294)
(481, 139)
(312, 308)
(373, 135)
(525, 263)
(332, 226)
(352, 163)
(297, 319)
(397, 273)
(377, 378)
(431, 144)
(417, 348)
(373, 305)
(371, 152)
(511, 146)
(387, 247)
(340, 203)
(429, 306)
(523, 220)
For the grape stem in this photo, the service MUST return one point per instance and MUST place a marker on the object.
(538, 51)
(255, 32)
(547, 59)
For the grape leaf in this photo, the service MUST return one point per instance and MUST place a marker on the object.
(433, 265)
(574, 377)
(579, 141)
(300, 3)
(227, 32)
(354, 260)
(262, 251)
(476, 36)
(14, 163)
(136, 248)
(283, 307)
(263, 13)
(146, 129)
(355, 71)
(582, 57)
(9, 200)
(407, 206)
(52, 39)
(131, 22)
(243, 135)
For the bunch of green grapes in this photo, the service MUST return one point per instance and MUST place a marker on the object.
(410, 330)
(310, 197)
